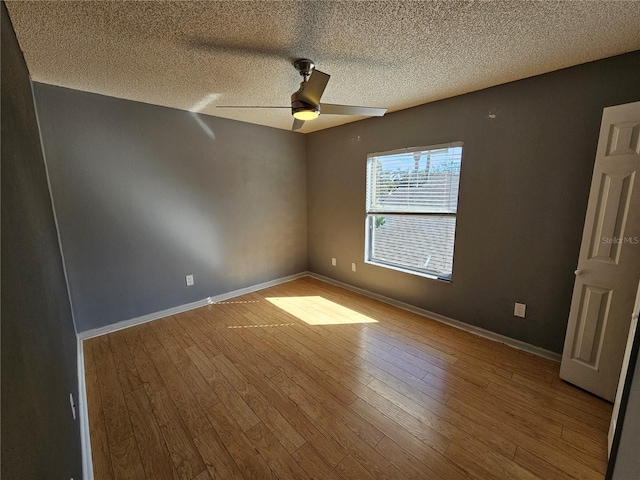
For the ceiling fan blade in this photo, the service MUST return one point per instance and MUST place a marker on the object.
(297, 124)
(246, 106)
(332, 109)
(314, 87)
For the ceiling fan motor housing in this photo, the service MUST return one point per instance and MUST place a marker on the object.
(298, 105)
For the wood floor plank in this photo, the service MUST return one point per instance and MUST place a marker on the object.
(248, 460)
(508, 413)
(153, 451)
(558, 400)
(188, 407)
(179, 334)
(302, 366)
(433, 461)
(254, 387)
(314, 465)
(500, 466)
(405, 462)
(268, 414)
(474, 466)
(410, 422)
(321, 440)
(187, 321)
(116, 416)
(550, 448)
(441, 421)
(218, 329)
(125, 367)
(100, 454)
(445, 420)
(364, 335)
(175, 433)
(198, 386)
(203, 476)
(276, 456)
(536, 465)
(369, 458)
(391, 376)
(238, 408)
(564, 415)
(324, 443)
(216, 457)
(345, 373)
(351, 469)
(126, 461)
(87, 353)
(596, 448)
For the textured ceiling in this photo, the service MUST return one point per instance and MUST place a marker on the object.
(394, 54)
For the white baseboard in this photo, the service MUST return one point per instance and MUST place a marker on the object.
(96, 332)
(83, 416)
(481, 332)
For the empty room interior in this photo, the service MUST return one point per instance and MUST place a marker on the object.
(320, 240)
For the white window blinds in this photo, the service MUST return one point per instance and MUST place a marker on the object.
(414, 181)
(412, 200)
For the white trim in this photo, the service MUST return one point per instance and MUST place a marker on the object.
(96, 332)
(399, 151)
(83, 415)
(418, 273)
(481, 332)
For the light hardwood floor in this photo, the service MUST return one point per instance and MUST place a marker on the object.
(247, 389)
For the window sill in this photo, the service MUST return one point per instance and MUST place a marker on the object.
(406, 270)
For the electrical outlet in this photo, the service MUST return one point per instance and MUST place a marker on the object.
(334, 262)
(353, 267)
(73, 406)
(189, 279)
(519, 310)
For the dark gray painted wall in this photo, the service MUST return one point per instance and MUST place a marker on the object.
(523, 195)
(40, 439)
(146, 195)
(628, 458)
(627, 452)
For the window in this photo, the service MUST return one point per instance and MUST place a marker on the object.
(412, 200)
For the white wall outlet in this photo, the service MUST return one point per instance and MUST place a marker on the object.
(519, 310)
(189, 279)
(73, 406)
(353, 267)
(334, 262)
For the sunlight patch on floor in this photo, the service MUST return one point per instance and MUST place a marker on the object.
(319, 311)
(262, 326)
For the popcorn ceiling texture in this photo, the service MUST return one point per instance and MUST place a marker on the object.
(395, 54)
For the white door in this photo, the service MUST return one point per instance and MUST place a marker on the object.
(609, 262)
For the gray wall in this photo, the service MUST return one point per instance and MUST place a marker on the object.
(625, 454)
(40, 439)
(146, 195)
(523, 195)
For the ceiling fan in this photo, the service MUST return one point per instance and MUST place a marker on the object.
(305, 103)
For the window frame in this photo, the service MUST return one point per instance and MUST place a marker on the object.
(370, 216)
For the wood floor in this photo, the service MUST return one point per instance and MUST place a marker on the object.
(247, 389)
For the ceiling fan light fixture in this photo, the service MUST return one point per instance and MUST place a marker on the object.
(306, 113)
